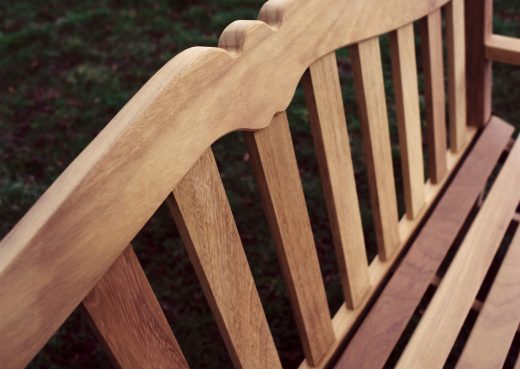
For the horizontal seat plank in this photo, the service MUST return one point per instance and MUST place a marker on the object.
(384, 324)
(437, 331)
(498, 320)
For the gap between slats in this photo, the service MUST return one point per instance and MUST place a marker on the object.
(329, 130)
(129, 319)
(276, 170)
(203, 216)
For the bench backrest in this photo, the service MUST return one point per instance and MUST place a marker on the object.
(158, 148)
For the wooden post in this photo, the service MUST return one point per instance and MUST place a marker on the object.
(478, 18)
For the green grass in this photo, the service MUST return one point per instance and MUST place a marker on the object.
(67, 67)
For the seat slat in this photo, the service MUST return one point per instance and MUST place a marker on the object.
(370, 93)
(129, 319)
(404, 71)
(329, 130)
(456, 73)
(499, 318)
(433, 339)
(431, 40)
(381, 329)
(203, 215)
(276, 170)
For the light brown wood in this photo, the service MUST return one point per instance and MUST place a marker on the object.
(478, 24)
(345, 319)
(370, 94)
(205, 222)
(503, 49)
(381, 329)
(404, 71)
(276, 170)
(456, 72)
(433, 338)
(329, 130)
(431, 40)
(499, 317)
(129, 319)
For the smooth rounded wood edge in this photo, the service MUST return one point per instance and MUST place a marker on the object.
(71, 236)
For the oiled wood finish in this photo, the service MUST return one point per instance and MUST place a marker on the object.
(276, 170)
(345, 319)
(497, 323)
(203, 216)
(381, 329)
(478, 19)
(456, 73)
(329, 130)
(370, 95)
(431, 40)
(133, 164)
(503, 49)
(129, 319)
(433, 338)
(404, 71)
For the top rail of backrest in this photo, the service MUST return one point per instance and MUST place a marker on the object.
(82, 223)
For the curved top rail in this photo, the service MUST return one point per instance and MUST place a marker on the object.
(70, 237)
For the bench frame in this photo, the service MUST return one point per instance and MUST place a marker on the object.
(70, 247)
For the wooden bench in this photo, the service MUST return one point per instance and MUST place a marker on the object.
(73, 246)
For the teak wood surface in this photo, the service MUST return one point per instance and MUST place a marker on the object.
(73, 245)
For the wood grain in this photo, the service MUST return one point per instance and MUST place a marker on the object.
(345, 319)
(431, 41)
(129, 319)
(199, 96)
(329, 130)
(384, 324)
(503, 49)
(499, 317)
(433, 338)
(370, 95)
(478, 23)
(276, 170)
(456, 72)
(202, 213)
(404, 72)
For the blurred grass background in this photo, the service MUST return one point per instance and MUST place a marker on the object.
(67, 67)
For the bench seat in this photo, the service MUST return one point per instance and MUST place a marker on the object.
(452, 227)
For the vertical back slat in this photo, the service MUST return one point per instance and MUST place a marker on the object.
(478, 25)
(129, 319)
(370, 92)
(329, 130)
(431, 39)
(404, 71)
(208, 230)
(274, 163)
(456, 73)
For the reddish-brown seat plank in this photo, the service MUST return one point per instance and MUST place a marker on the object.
(129, 319)
(379, 332)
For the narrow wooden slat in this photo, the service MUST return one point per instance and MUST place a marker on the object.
(499, 318)
(276, 170)
(431, 40)
(129, 319)
(370, 93)
(404, 71)
(478, 19)
(433, 339)
(381, 329)
(203, 216)
(345, 319)
(329, 130)
(503, 49)
(456, 73)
